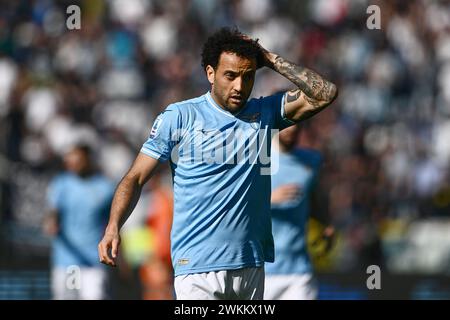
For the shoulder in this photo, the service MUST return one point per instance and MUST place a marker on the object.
(61, 178)
(104, 181)
(186, 105)
(268, 105)
(184, 108)
(309, 156)
(60, 181)
(191, 102)
(272, 99)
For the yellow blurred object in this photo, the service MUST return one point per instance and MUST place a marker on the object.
(93, 10)
(137, 245)
(316, 246)
(393, 229)
(442, 198)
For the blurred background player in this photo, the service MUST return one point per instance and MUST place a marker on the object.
(79, 199)
(294, 197)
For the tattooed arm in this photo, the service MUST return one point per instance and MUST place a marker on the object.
(125, 199)
(314, 93)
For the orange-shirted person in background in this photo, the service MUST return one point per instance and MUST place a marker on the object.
(156, 273)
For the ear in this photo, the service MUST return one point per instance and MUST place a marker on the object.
(210, 74)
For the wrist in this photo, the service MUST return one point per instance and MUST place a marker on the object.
(271, 59)
(112, 228)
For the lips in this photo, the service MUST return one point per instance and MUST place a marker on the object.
(236, 98)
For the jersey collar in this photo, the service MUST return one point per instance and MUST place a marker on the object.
(211, 101)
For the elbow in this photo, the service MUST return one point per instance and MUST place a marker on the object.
(330, 97)
(132, 181)
(334, 92)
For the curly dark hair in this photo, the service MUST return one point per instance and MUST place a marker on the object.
(229, 40)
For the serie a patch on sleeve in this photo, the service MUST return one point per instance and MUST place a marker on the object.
(155, 127)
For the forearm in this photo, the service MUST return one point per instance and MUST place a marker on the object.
(124, 201)
(51, 223)
(317, 89)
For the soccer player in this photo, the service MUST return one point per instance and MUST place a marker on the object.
(80, 200)
(294, 196)
(221, 233)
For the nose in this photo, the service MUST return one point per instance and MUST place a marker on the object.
(237, 86)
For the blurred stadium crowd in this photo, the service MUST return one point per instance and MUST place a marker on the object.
(386, 180)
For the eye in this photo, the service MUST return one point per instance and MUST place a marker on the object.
(249, 76)
(229, 76)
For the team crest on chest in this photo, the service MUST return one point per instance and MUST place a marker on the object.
(253, 119)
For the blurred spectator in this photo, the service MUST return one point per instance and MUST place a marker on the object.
(156, 272)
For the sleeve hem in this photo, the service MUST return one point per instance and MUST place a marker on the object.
(283, 114)
(153, 154)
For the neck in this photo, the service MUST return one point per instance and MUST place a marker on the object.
(285, 148)
(86, 173)
(220, 105)
(282, 147)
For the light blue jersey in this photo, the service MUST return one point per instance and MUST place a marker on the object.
(289, 219)
(83, 207)
(221, 175)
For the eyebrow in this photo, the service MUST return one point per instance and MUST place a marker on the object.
(235, 72)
